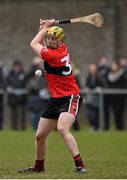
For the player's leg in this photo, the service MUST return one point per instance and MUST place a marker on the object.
(70, 107)
(44, 128)
(65, 122)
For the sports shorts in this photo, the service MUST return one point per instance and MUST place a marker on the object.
(56, 106)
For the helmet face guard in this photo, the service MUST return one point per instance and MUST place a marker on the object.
(54, 37)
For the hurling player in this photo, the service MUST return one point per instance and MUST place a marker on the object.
(65, 99)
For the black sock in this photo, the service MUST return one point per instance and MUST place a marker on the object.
(78, 161)
(39, 165)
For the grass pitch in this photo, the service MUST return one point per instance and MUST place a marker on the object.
(105, 154)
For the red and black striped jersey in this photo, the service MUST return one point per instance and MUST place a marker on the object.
(61, 81)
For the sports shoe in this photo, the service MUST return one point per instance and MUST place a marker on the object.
(81, 170)
(30, 170)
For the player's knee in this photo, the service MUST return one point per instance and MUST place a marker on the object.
(62, 130)
(39, 136)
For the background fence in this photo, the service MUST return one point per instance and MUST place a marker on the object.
(101, 92)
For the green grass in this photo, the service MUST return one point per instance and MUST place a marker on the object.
(104, 152)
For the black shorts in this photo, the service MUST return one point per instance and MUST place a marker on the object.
(56, 106)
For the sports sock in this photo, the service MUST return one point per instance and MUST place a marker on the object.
(39, 165)
(78, 161)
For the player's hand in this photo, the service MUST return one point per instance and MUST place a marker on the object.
(48, 23)
(42, 22)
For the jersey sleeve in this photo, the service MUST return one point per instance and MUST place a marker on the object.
(47, 54)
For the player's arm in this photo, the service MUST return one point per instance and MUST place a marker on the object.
(39, 40)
